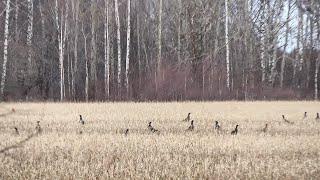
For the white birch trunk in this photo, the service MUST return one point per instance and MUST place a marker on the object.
(263, 43)
(86, 88)
(5, 48)
(179, 33)
(300, 41)
(118, 46)
(93, 54)
(16, 21)
(106, 51)
(139, 47)
(158, 76)
(227, 44)
(75, 50)
(30, 30)
(283, 61)
(316, 78)
(128, 48)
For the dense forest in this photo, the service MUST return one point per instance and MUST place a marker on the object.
(161, 50)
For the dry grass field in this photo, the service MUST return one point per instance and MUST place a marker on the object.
(102, 151)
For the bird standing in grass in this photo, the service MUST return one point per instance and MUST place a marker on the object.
(81, 120)
(318, 117)
(16, 130)
(217, 126)
(235, 131)
(305, 115)
(126, 132)
(191, 127)
(265, 129)
(38, 127)
(285, 120)
(151, 128)
(188, 117)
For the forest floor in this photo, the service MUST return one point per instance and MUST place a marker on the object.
(66, 149)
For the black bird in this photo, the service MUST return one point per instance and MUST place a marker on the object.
(151, 128)
(318, 117)
(235, 131)
(191, 127)
(285, 120)
(38, 127)
(305, 115)
(265, 129)
(188, 117)
(126, 132)
(217, 126)
(16, 130)
(81, 120)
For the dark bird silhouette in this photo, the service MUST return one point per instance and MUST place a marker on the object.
(188, 117)
(235, 131)
(126, 132)
(217, 126)
(13, 110)
(305, 115)
(285, 120)
(191, 127)
(81, 120)
(151, 128)
(16, 130)
(265, 129)
(318, 117)
(38, 127)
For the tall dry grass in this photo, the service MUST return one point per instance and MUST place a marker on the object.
(103, 152)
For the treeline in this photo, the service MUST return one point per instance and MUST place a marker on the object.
(96, 50)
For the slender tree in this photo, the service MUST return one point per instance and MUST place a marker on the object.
(118, 45)
(106, 51)
(227, 43)
(128, 48)
(5, 48)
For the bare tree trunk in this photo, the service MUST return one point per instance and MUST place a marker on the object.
(5, 48)
(128, 49)
(93, 52)
(16, 20)
(179, 32)
(75, 50)
(158, 75)
(139, 49)
(300, 41)
(86, 64)
(106, 51)
(227, 44)
(30, 30)
(118, 45)
(316, 78)
(285, 44)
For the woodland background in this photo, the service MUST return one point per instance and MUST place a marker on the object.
(140, 50)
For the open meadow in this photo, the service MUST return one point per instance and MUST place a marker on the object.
(99, 149)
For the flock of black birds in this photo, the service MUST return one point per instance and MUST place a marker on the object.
(217, 126)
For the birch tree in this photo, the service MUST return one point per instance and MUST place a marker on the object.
(283, 62)
(227, 43)
(128, 48)
(5, 48)
(106, 51)
(30, 30)
(86, 89)
(93, 54)
(118, 45)
(158, 76)
(75, 48)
